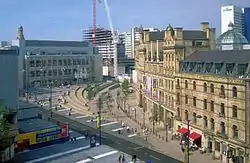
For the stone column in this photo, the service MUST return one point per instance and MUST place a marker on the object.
(157, 50)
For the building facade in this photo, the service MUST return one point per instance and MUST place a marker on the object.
(212, 93)
(45, 62)
(234, 14)
(247, 23)
(157, 61)
(9, 77)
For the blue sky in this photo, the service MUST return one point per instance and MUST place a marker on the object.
(65, 19)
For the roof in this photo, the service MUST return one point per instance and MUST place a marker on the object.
(156, 35)
(230, 56)
(50, 43)
(187, 35)
(35, 124)
(27, 113)
(194, 35)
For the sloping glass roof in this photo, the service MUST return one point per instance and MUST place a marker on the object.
(231, 37)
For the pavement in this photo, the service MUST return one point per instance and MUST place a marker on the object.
(170, 148)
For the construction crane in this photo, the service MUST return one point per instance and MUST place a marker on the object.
(115, 37)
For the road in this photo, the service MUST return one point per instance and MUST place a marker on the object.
(113, 141)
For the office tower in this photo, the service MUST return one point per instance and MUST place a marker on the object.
(246, 23)
(233, 14)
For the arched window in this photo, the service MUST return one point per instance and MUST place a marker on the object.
(194, 117)
(178, 83)
(212, 124)
(234, 91)
(194, 85)
(186, 84)
(235, 131)
(223, 128)
(186, 115)
(222, 91)
(212, 88)
(205, 87)
(178, 112)
(205, 121)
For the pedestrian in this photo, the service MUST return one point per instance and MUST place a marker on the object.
(123, 158)
(120, 159)
(86, 135)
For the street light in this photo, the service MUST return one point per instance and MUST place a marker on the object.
(188, 139)
(50, 97)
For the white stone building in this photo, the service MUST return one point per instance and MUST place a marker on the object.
(45, 62)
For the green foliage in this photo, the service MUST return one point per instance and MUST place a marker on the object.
(90, 93)
(125, 87)
(109, 101)
(4, 125)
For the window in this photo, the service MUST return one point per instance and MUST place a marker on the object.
(205, 121)
(178, 83)
(234, 92)
(205, 87)
(194, 117)
(222, 91)
(212, 106)
(222, 109)
(178, 112)
(186, 99)
(212, 88)
(222, 128)
(205, 104)
(186, 115)
(161, 82)
(186, 84)
(235, 131)
(178, 98)
(194, 101)
(194, 85)
(234, 111)
(212, 123)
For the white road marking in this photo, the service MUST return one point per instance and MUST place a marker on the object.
(70, 131)
(74, 113)
(59, 154)
(137, 148)
(131, 135)
(117, 129)
(98, 157)
(63, 110)
(82, 116)
(91, 120)
(81, 137)
(110, 123)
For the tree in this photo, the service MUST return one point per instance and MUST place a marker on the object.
(125, 88)
(4, 130)
(154, 118)
(109, 101)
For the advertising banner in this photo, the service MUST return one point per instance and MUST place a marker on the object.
(149, 85)
(144, 82)
(52, 134)
(154, 92)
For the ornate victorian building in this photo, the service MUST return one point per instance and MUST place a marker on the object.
(213, 94)
(157, 63)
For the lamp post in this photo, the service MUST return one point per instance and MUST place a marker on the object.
(99, 117)
(188, 140)
(26, 70)
(50, 98)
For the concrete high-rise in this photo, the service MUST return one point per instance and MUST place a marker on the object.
(233, 14)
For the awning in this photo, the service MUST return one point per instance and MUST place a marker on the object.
(182, 130)
(193, 136)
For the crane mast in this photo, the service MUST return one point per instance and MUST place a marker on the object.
(115, 38)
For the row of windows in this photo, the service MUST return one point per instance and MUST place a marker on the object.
(65, 62)
(210, 124)
(212, 105)
(212, 88)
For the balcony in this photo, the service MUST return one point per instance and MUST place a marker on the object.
(177, 86)
(222, 134)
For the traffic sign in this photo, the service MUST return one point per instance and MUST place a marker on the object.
(92, 141)
(149, 161)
